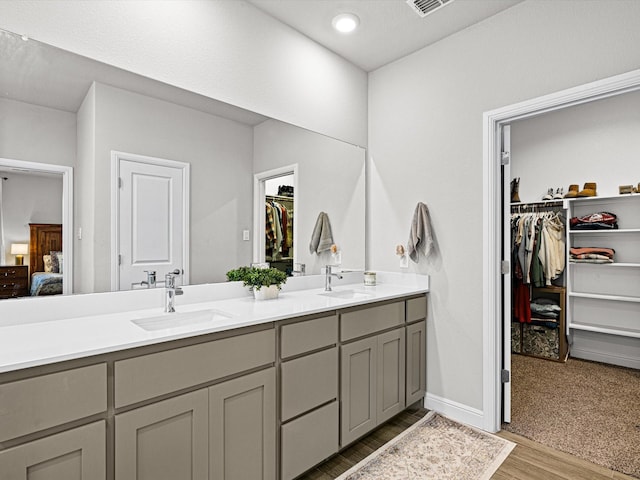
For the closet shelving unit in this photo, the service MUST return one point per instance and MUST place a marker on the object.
(605, 298)
(284, 263)
(524, 335)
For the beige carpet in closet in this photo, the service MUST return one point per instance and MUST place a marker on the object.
(588, 409)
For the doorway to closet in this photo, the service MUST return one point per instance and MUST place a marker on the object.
(570, 333)
(274, 213)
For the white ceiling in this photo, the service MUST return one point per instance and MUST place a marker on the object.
(389, 29)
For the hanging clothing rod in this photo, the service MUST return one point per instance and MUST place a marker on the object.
(534, 206)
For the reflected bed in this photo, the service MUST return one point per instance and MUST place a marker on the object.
(45, 244)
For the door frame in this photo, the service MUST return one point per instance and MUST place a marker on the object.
(116, 157)
(259, 212)
(493, 218)
(67, 211)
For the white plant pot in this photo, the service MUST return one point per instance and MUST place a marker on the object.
(266, 293)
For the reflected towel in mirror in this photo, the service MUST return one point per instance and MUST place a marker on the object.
(321, 238)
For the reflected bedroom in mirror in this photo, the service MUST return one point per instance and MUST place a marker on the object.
(113, 177)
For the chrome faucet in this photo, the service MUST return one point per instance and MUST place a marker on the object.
(328, 274)
(150, 282)
(172, 290)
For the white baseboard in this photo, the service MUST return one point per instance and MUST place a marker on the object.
(455, 411)
(606, 357)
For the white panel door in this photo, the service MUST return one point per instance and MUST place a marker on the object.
(506, 277)
(151, 221)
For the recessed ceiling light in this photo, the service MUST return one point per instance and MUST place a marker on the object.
(345, 22)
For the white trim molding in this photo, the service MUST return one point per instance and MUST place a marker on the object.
(492, 218)
(259, 212)
(67, 211)
(455, 411)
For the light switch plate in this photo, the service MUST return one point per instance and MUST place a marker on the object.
(245, 235)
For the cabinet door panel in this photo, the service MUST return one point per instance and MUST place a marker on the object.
(242, 428)
(416, 362)
(391, 374)
(165, 440)
(77, 454)
(358, 389)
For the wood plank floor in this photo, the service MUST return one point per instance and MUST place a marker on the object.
(528, 461)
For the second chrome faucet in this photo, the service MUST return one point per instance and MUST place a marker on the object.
(171, 290)
(328, 274)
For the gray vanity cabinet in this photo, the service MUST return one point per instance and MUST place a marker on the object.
(221, 431)
(390, 375)
(358, 388)
(165, 440)
(372, 367)
(416, 361)
(309, 394)
(242, 428)
(77, 454)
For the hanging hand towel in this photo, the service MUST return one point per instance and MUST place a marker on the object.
(321, 238)
(420, 233)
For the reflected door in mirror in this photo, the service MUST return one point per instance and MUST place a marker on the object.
(151, 221)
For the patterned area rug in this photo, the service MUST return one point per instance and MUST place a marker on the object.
(434, 447)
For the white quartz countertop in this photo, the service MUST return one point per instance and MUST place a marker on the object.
(34, 343)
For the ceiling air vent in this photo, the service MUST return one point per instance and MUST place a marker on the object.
(426, 7)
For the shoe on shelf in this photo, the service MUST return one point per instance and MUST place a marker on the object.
(624, 189)
(515, 186)
(549, 195)
(572, 192)
(589, 190)
(559, 194)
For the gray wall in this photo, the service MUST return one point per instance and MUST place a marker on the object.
(227, 50)
(34, 134)
(220, 153)
(331, 179)
(425, 140)
(28, 199)
(37, 134)
(596, 142)
(84, 200)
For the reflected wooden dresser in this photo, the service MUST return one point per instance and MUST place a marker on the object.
(14, 281)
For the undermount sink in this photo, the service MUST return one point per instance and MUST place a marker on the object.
(347, 294)
(174, 320)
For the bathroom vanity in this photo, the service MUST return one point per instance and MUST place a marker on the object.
(256, 390)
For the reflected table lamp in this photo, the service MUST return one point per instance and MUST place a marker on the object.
(19, 250)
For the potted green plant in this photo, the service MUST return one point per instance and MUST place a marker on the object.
(264, 282)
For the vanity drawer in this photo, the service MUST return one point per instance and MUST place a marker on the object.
(148, 376)
(301, 337)
(308, 440)
(37, 403)
(416, 309)
(358, 323)
(308, 382)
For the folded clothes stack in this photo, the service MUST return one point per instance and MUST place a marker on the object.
(591, 255)
(545, 311)
(595, 221)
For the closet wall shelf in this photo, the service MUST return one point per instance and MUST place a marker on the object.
(601, 199)
(614, 264)
(598, 296)
(609, 331)
(605, 232)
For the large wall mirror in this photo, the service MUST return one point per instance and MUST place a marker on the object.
(76, 115)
